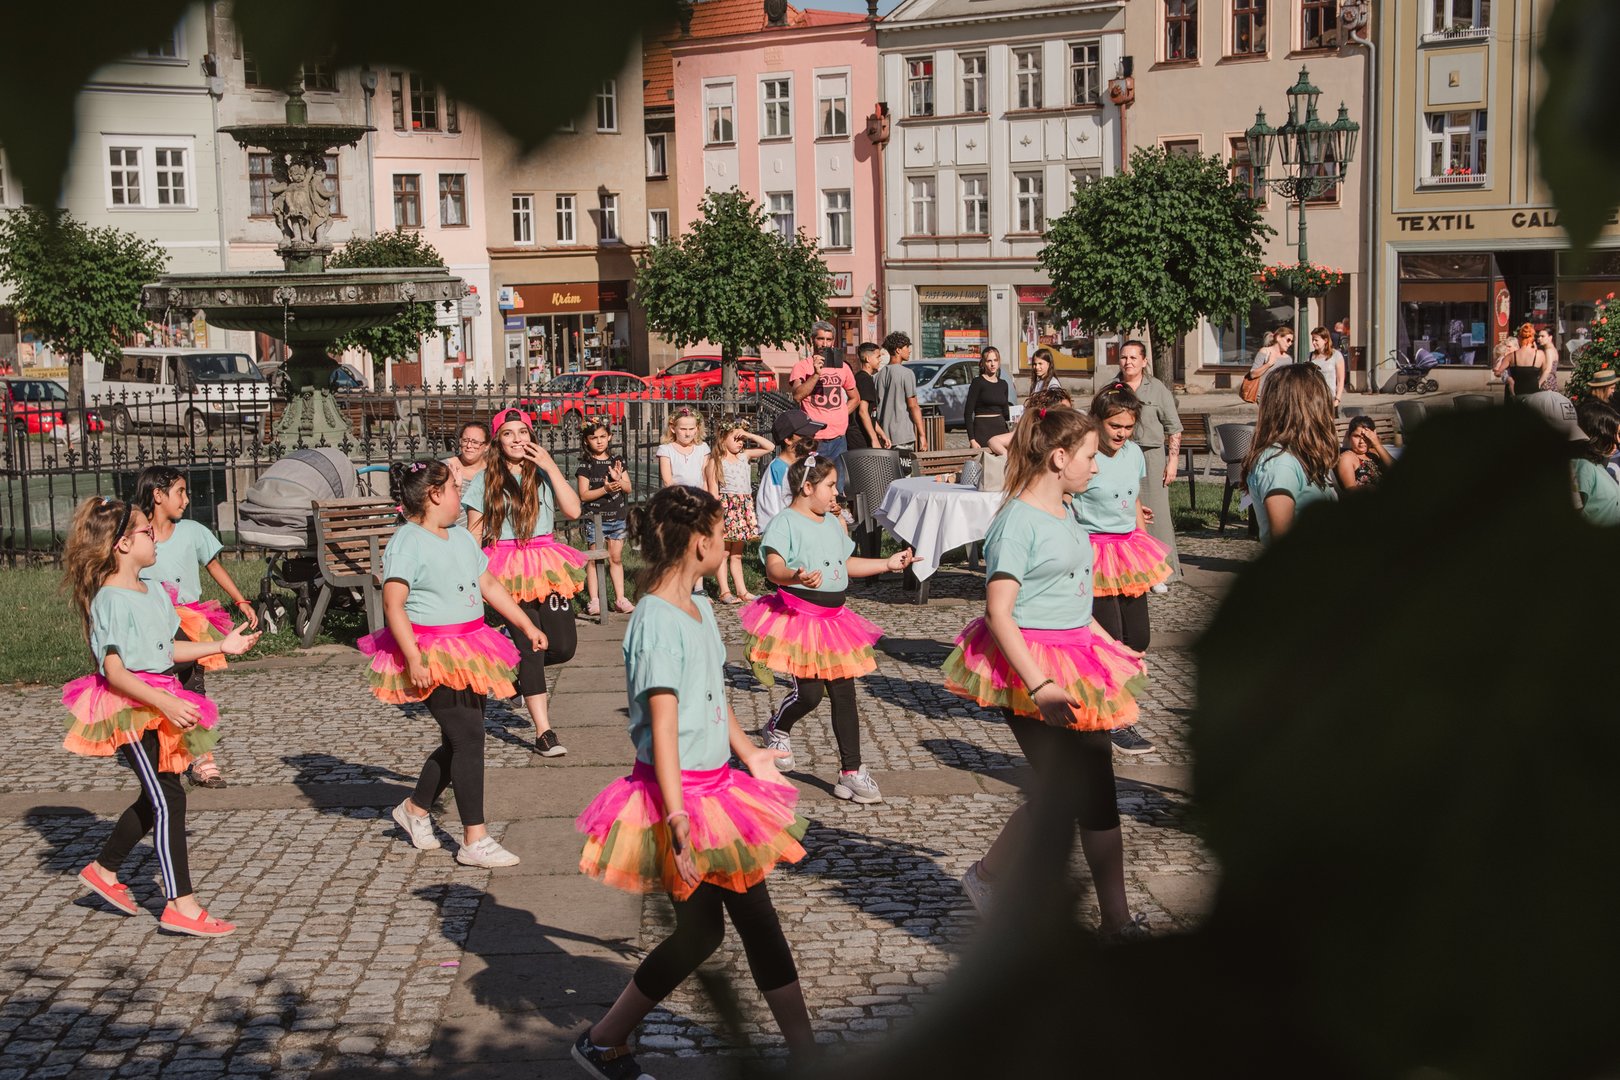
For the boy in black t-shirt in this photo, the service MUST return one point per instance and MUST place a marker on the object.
(603, 484)
(864, 433)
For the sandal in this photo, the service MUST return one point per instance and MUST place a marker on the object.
(593, 608)
(729, 599)
(115, 893)
(204, 772)
(747, 597)
(623, 606)
(204, 925)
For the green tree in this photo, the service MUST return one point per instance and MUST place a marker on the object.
(402, 337)
(1602, 353)
(79, 288)
(1173, 240)
(732, 280)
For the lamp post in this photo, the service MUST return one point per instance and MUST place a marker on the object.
(1315, 156)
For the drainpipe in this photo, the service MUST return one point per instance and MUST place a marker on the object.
(877, 131)
(1359, 36)
(368, 90)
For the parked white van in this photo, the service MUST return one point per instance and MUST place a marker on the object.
(195, 390)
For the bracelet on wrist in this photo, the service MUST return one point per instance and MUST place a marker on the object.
(670, 818)
(1039, 687)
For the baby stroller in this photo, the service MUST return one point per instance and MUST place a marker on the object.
(1412, 376)
(278, 514)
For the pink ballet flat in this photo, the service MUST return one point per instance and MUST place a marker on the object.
(117, 893)
(623, 606)
(204, 925)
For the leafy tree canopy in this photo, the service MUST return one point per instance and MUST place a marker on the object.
(732, 280)
(389, 250)
(1173, 240)
(79, 288)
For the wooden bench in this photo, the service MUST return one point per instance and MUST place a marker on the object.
(598, 556)
(1389, 432)
(350, 535)
(1194, 440)
(939, 462)
(444, 417)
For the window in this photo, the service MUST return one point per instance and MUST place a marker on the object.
(150, 172)
(607, 106)
(396, 91)
(452, 199)
(250, 70)
(259, 178)
(319, 77)
(1242, 168)
(334, 186)
(166, 47)
(920, 86)
(407, 201)
(657, 156)
(657, 226)
(1085, 175)
(922, 205)
(776, 121)
(1085, 73)
(523, 219)
(565, 219)
(780, 208)
(1027, 78)
(1457, 17)
(1181, 29)
(1319, 24)
(452, 116)
(837, 233)
(720, 101)
(1240, 337)
(1031, 205)
(124, 176)
(976, 205)
(610, 218)
(424, 105)
(832, 105)
(1456, 145)
(1183, 147)
(973, 99)
(1248, 27)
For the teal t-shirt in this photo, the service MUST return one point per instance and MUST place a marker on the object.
(1108, 505)
(1049, 557)
(138, 626)
(665, 649)
(544, 521)
(442, 574)
(1600, 494)
(1279, 473)
(192, 545)
(805, 543)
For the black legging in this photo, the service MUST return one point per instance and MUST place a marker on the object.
(1125, 618)
(190, 674)
(803, 697)
(161, 810)
(555, 616)
(700, 927)
(1086, 758)
(459, 760)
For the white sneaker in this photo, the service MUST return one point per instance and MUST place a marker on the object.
(779, 740)
(1161, 588)
(485, 852)
(418, 829)
(978, 890)
(857, 785)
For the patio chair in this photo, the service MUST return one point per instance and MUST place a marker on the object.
(1474, 401)
(1235, 441)
(870, 472)
(1410, 414)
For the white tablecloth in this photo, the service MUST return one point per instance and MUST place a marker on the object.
(936, 518)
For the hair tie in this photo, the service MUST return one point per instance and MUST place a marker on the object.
(123, 522)
(416, 466)
(400, 510)
(1041, 412)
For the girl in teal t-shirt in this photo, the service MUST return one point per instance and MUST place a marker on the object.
(1595, 489)
(804, 630)
(183, 545)
(133, 705)
(684, 821)
(1296, 448)
(436, 648)
(1060, 684)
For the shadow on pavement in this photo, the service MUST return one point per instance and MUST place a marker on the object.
(892, 880)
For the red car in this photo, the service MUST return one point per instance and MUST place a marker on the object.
(700, 377)
(568, 399)
(39, 406)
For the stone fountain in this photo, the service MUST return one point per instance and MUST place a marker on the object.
(303, 304)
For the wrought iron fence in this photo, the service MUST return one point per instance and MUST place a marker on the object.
(223, 438)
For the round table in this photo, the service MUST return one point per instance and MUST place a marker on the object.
(936, 518)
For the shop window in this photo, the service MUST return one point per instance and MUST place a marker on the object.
(1248, 27)
(1240, 338)
(1456, 144)
(1085, 73)
(1319, 24)
(973, 99)
(1180, 30)
(720, 106)
(1027, 78)
(920, 86)
(832, 105)
(954, 331)
(776, 105)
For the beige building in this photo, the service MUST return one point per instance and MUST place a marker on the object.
(1200, 72)
(566, 223)
(1469, 245)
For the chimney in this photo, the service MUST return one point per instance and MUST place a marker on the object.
(683, 12)
(776, 12)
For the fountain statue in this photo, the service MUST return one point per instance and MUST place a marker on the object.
(302, 304)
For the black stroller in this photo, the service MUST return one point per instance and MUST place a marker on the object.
(1412, 376)
(278, 514)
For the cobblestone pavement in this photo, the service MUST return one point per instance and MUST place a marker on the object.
(356, 951)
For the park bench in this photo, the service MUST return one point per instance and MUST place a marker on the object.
(939, 462)
(1389, 432)
(1194, 441)
(350, 535)
(443, 418)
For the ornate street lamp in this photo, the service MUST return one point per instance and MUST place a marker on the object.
(1315, 157)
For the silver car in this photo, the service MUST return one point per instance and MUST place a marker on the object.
(945, 382)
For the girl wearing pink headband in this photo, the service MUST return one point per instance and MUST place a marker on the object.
(511, 507)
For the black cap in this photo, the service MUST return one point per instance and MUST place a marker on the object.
(794, 422)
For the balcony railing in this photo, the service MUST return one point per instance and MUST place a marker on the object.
(1477, 179)
(1458, 33)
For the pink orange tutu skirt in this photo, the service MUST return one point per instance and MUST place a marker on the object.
(1099, 673)
(795, 637)
(741, 828)
(1127, 564)
(466, 656)
(102, 720)
(536, 568)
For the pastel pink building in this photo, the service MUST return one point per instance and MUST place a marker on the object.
(779, 110)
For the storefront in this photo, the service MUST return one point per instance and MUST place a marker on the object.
(954, 322)
(571, 326)
(1042, 326)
